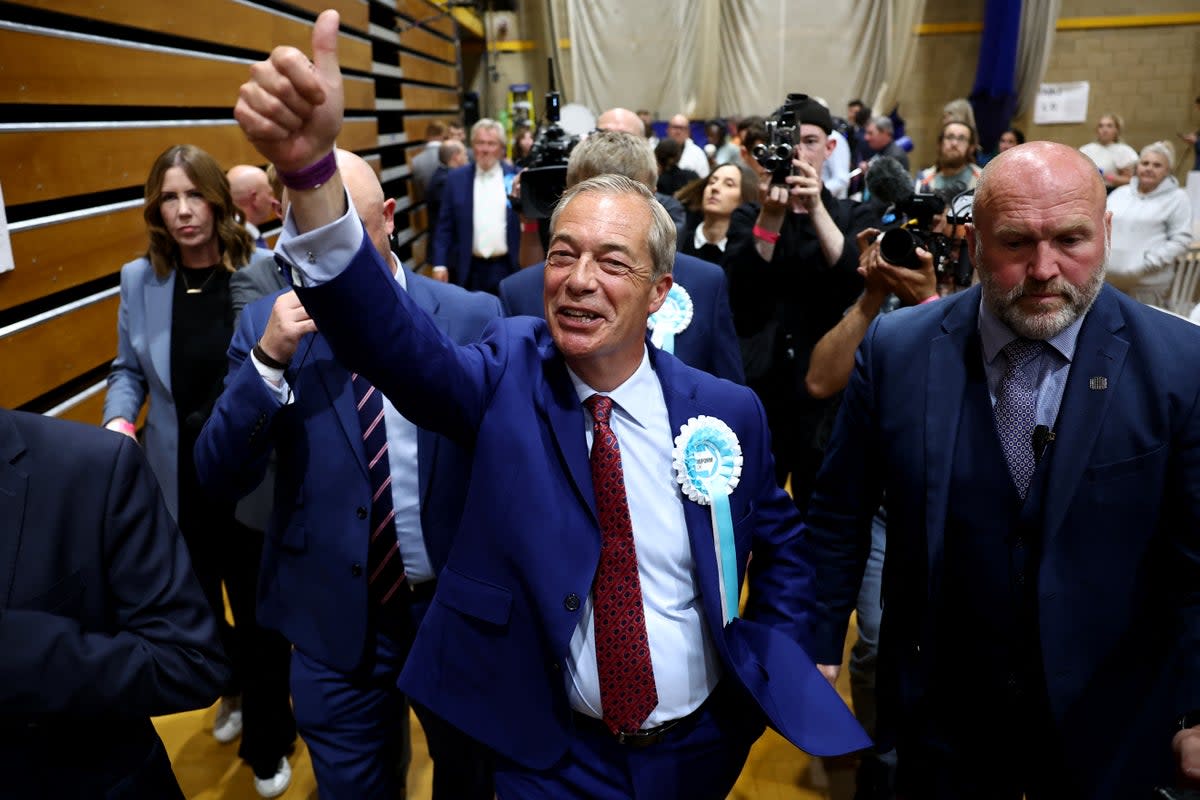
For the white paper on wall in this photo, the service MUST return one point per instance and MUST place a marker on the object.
(1061, 103)
(6, 254)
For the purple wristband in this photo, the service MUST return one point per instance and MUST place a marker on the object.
(312, 176)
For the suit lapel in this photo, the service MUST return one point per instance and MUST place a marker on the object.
(945, 384)
(14, 485)
(564, 414)
(336, 381)
(427, 443)
(1099, 353)
(679, 393)
(158, 301)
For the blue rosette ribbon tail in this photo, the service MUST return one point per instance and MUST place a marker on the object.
(708, 464)
(672, 318)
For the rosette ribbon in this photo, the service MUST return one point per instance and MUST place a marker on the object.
(672, 318)
(708, 465)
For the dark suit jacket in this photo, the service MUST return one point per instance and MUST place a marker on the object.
(708, 343)
(1119, 579)
(311, 587)
(102, 623)
(452, 234)
(489, 655)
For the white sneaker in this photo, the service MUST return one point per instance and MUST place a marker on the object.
(228, 724)
(278, 783)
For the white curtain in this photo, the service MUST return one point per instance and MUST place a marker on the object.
(1038, 18)
(707, 58)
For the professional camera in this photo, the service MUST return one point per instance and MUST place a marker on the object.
(783, 133)
(910, 220)
(545, 175)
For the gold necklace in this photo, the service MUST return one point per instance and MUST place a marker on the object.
(197, 289)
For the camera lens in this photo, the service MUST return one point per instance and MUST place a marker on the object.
(898, 246)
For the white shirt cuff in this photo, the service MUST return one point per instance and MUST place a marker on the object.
(322, 254)
(273, 378)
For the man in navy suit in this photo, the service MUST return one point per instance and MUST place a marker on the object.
(705, 338)
(1037, 440)
(102, 623)
(654, 684)
(477, 233)
(348, 651)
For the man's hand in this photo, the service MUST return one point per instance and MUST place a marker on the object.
(291, 108)
(830, 671)
(774, 202)
(804, 187)
(912, 286)
(287, 324)
(1186, 745)
(441, 274)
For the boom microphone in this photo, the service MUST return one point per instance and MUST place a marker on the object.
(888, 180)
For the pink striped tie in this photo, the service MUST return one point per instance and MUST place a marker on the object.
(385, 567)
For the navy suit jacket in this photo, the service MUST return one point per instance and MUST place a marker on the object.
(489, 656)
(1119, 579)
(312, 588)
(452, 234)
(708, 343)
(102, 623)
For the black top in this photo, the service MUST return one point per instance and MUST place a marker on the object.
(201, 328)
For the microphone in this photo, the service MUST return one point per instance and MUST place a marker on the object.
(1042, 437)
(888, 180)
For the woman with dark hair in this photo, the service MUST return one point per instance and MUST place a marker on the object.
(715, 199)
(671, 177)
(174, 324)
(522, 145)
(1010, 139)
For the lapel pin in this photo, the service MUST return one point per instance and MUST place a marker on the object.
(1098, 383)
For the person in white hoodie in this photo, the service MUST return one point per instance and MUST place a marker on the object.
(1151, 227)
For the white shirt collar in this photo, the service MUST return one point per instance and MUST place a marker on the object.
(635, 396)
(700, 241)
(401, 275)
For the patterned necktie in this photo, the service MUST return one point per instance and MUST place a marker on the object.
(385, 567)
(627, 691)
(1016, 410)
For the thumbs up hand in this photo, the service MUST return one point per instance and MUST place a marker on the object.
(291, 108)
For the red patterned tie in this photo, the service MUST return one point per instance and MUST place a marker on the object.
(385, 567)
(627, 691)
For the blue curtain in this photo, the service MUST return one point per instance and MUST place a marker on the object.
(994, 97)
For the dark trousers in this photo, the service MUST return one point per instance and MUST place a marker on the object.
(700, 763)
(225, 552)
(485, 274)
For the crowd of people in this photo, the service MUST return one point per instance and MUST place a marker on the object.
(524, 494)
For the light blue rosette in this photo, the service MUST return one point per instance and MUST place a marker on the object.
(708, 465)
(671, 319)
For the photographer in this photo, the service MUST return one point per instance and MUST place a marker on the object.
(792, 269)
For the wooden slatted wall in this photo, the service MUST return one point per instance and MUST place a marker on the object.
(91, 93)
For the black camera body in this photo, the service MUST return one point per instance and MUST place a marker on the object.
(545, 175)
(783, 134)
(899, 245)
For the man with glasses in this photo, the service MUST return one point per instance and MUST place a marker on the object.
(955, 162)
(693, 158)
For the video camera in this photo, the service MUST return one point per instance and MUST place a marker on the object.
(912, 220)
(545, 175)
(783, 133)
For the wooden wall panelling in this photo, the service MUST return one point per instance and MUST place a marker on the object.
(416, 68)
(48, 162)
(420, 250)
(225, 22)
(53, 258)
(414, 125)
(354, 13)
(419, 218)
(41, 67)
(432, 45)
(88, 410)
(80, 340)
(421, 11)
(421, 98)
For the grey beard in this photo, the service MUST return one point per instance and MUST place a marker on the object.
(1046, 325)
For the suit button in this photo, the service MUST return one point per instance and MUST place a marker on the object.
(571, 602)
(356, 570)
(554, 667)
(361, 512)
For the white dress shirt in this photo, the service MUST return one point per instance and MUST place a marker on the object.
(489, 234)
(685, 662)
(693, 158)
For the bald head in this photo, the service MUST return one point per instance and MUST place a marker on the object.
(621, 119)
(1044, 164)
(376, 212)
(679, 128)
(1041, 237)
(251, 191)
